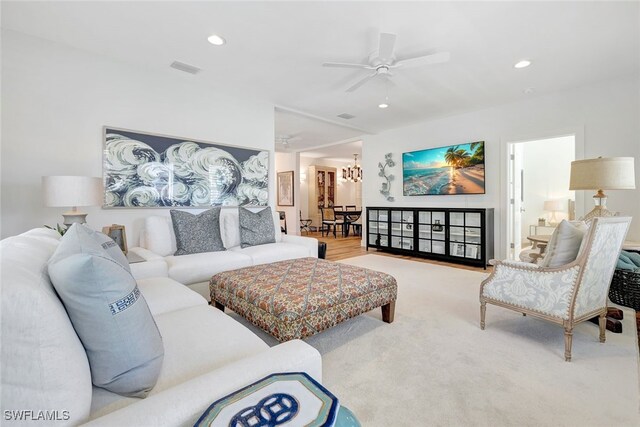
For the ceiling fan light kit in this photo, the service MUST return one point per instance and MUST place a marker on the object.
(383, 61)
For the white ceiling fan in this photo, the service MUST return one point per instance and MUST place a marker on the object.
(382, 61)
(285, 140)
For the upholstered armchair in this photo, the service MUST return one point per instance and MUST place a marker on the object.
(566, 295)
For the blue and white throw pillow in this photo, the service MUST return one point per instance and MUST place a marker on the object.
(108, 312)
(197, 233)
(256, 228)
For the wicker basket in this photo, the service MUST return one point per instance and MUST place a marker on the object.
(625, 288)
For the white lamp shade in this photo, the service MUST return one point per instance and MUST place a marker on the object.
(553, 205)
(71, 191)
(603, 173)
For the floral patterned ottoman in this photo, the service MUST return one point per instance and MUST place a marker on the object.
(301, 297)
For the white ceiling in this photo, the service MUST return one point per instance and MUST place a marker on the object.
(304, 132)
(337, 153)
(275, 51)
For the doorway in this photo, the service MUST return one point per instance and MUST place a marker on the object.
(539, 196)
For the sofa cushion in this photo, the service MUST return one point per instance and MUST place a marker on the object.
(158, 235)
(109, 314)
(197, 340)
(164, 295)
(256, 228)
(230, 227)
(272, 252)
(194, 268)
(197, 233)
(564, 244)
(43, 363)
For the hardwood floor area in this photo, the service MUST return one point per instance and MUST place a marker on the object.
(348, 247)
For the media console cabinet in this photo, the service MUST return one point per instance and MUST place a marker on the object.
(456, 235)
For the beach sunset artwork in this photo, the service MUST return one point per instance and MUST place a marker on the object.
(456, 169)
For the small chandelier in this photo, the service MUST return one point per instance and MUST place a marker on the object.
(352, 173)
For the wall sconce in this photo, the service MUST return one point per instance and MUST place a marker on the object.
(303, 176)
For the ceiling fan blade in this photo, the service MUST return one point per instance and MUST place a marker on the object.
(361, 82)
(387, 42)
(346, 65)
(435, 58)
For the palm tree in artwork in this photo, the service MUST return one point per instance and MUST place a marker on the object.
(478, 149)
(462, 156)
(450, 155)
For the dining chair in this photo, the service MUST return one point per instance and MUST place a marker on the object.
(305, 224)
(568, 294)
(329, 220)
(338, 207)
(283, 221)
(354, 220)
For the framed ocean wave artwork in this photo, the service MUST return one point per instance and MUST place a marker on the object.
(156, 171)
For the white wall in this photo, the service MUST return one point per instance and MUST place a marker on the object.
(604, 117)
(56, 100)
(547, 168)
(288, 162)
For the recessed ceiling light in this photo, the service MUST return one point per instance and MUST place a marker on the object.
(383, 105)
(529, 90)
(523, 64)
(216, 40)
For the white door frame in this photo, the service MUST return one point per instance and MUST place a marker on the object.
(503, 233)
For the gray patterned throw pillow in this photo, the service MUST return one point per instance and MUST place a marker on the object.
(197, 233)
(256, 228)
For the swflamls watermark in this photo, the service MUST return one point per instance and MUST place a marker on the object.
(33, 415)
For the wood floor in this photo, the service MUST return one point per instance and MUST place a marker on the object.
(349, 247)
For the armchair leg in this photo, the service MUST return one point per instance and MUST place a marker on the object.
(568, 338)
(483, 312)
(602, 322)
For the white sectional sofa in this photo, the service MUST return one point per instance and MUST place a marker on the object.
(158, 243)
(45, 368)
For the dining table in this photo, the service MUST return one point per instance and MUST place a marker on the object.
(349, 216)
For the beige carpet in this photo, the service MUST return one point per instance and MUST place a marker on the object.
(434, 366)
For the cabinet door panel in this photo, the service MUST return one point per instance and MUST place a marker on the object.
(424, 231)
(437, 217)
(424, 245)
(456, 234)
(472, 251)
(472, 235)
(456, 218)
(473, 219)
(456, 249)
(437, 247)
(437, 235)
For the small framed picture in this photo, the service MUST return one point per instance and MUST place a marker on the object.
(118, 234)
(285, 188)
(457, 249)
(471, 251)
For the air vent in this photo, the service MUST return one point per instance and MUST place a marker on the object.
(346, 116)
(185, 67)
